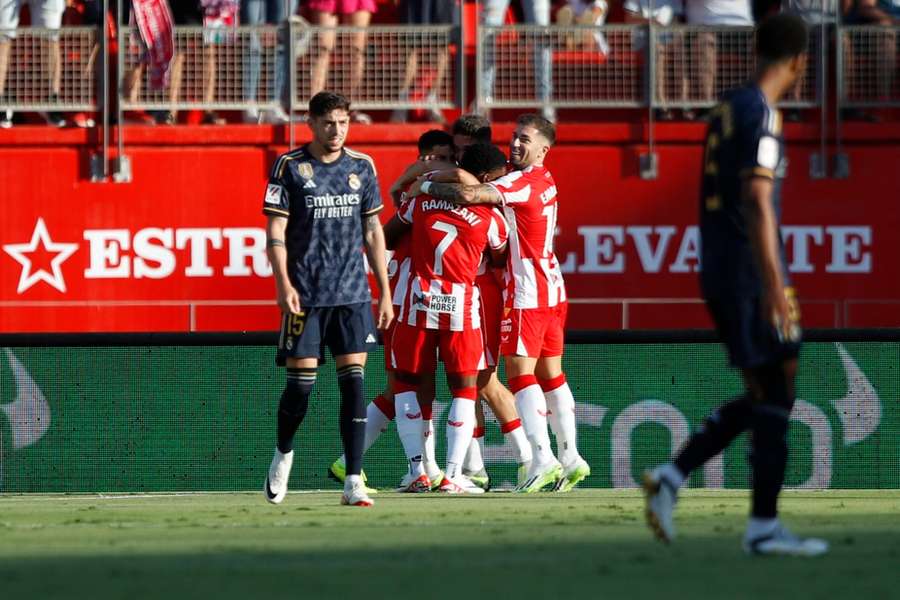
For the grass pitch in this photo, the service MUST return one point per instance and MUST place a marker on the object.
(587, 544)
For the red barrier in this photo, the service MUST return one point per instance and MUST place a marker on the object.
(181, 248)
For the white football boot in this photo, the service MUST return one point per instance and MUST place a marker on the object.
(355, 492)
(781, 542)
(459, 485)
(277, 478)
(660, 496)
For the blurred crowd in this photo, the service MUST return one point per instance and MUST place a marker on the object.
(218, 16)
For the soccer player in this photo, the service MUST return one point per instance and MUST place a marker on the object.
(434, 146)
(532, 331)
(322, 204)
(441, 306)
(748, 292)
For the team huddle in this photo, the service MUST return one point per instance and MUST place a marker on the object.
(473, 277)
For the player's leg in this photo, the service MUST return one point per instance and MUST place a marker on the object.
(379, 414)
(426, 394)
(521, 341)
(473, 466)
(503, 405)
(772, 389)
(298, 351)
(561, 414)
(345, 331)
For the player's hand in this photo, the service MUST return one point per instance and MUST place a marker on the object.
(385, 312)
(288, 300)
(775, 306)
(416, 187)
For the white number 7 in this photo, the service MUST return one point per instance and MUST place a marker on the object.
(451, 232)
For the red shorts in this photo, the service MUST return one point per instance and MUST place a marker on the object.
(343, 7)
(533, 332)
(491, 315)
(414, 348)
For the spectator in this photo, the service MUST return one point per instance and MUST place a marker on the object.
(537, 12)
(885, 13)
(719, 13)
(585, 12)
(327, 13)
(45, 14)
(273, 12)
(670, 54)
(426, 12)
(811, 12)
(212, 15)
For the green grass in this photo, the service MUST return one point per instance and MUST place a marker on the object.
(587, 544)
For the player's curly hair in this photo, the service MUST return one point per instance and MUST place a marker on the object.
(474, 126)
(781, 37)
(481, 158)
(434, 137)
(324, 102)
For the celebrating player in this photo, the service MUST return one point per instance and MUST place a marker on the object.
(322, 204)
(747, 289)
(532, 332)
(441, 306)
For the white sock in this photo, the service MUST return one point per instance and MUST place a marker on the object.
(532, 409)
(428, 454)
(760, 527)
(516, 438)
(409, 428)
(672, 474)
(475, 456)
(376, 423)
(351, 481)
(561, 405)
(460, 426)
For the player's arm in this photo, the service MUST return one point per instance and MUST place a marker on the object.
(395, 229)
(373, 238)
(410, 175)
(286, 295)
(460, 193)
(762, 231)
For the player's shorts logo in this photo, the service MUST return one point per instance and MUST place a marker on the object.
(306, 170)
(354, 182)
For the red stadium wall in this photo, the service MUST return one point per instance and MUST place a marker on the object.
(181, 248)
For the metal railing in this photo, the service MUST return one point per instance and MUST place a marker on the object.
(868, 73)
(49, 69)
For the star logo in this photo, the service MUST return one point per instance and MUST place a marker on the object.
(40, 237)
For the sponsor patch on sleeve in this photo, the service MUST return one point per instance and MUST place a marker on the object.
(767, 152)
(273, 194)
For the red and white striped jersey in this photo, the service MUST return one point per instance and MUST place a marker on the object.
(399, 264)
(447, 247)
(530, 207)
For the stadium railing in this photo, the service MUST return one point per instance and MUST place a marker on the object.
(867, 63)
(29, 69)
(189, 412)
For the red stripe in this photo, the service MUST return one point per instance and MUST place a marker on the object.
(548, 385)
(384, 406)
(511, 426)
(467, 393)
(516, 384)
(478, 433)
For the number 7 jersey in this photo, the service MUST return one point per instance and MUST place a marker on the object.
(448, 243)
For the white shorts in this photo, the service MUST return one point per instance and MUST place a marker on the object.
(45, 14)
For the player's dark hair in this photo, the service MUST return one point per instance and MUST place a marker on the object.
(781, 37)
(545, 127)
(432, 138)
(481, 158)
(474, 126)
(324, 102)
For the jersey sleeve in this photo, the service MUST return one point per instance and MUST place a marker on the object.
(498, 231)
(760, 151)
(277, 200)
(371, 198)
(406, 210)
(513, 188)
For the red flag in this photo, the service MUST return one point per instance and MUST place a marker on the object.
(154, 21)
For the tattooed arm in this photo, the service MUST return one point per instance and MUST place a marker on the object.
(458, 193)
